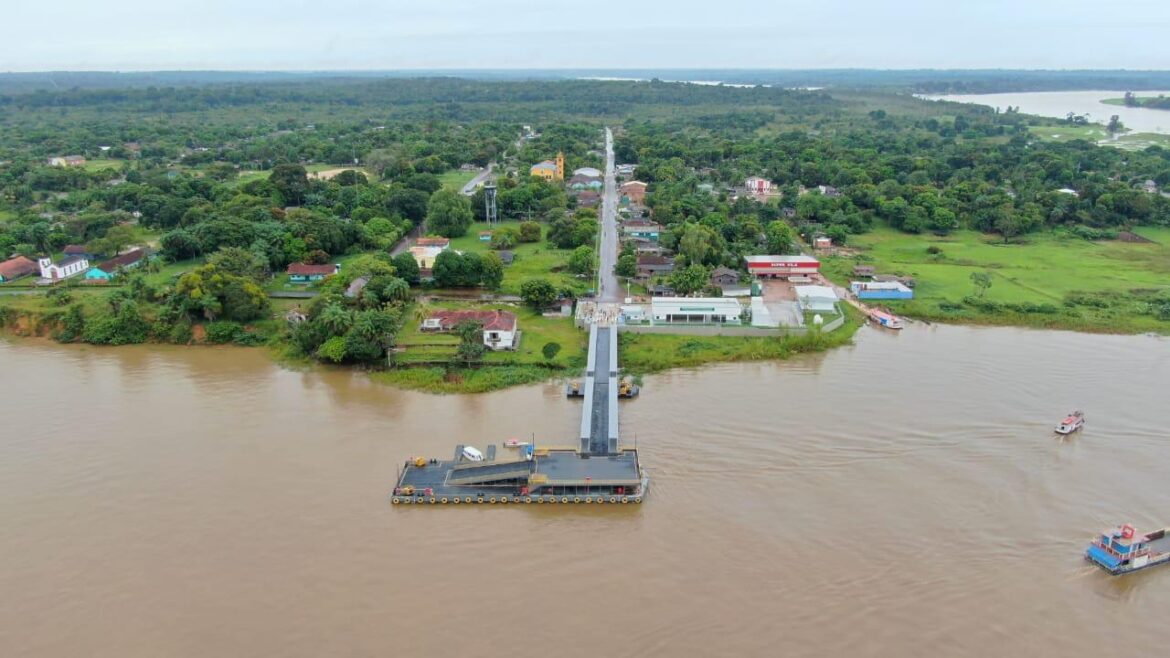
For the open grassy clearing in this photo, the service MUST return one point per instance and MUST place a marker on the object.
(102, 165)
(1068, 133)
(456, 179)
(532, 260)
(536, 331)
(1043, 268)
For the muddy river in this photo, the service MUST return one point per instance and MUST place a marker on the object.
(901, 497)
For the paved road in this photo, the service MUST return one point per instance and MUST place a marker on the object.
(482, 176)
(609, 289)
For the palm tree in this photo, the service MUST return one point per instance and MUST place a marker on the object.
(336, 318)
(422, 310)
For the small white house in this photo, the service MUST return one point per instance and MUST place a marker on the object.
(499, 327)
(62, 269)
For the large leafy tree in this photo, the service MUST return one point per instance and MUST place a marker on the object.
(448, 214)
(291, 181)
(406, 267)
(538, 293)
(690, 279)
(779, 237)
(216, 294)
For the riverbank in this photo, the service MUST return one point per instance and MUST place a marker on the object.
(1049, 280)
(428, 362)
(649, 353)
(1145, 102)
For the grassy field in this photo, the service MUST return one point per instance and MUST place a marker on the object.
(1042, 269)
(101, 165)
(536, 330)
(456, 179)
(525, 365)
(1091, 133)
(249, 175)
(533, 260)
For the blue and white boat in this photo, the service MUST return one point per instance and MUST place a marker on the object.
(1122, 549)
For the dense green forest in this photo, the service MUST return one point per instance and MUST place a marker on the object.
(983, 172)
(928, 80)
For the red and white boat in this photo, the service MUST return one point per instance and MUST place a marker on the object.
(886, 320)
(1071, 423)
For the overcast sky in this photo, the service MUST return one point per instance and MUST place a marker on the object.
(39, 35)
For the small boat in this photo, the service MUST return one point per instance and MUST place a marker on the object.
(885, 319)
(1071, 423)
(1122, 549)
(573, 389)
(628, 389)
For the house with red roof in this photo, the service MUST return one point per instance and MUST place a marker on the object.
(304, 273)
(109, 269)
(14, 268)
(499, 327)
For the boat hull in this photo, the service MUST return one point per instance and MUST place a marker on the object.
(1122, 570)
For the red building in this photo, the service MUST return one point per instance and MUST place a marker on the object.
(774, 266)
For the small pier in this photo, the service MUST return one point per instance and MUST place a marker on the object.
(596, 470)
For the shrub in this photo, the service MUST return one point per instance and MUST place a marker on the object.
(181, 332)
(538, 293)
(550, 350)
(529, 232)
(249, 339)
(72, 325)
(219, 333)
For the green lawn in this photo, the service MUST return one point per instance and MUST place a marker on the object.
(456, 179)
(1041, 269)
(101, 165)
(1091, 133)
(536, 330)
(532, 260)
(169, 273)
(249, 175)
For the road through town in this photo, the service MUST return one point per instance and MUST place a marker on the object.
(609, 290)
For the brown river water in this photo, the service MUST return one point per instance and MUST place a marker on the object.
(901, 497)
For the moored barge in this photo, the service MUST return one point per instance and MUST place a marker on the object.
(523, 474)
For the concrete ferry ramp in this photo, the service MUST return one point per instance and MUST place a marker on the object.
(599, 416)
(595, 470)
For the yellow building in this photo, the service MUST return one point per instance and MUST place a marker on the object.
(550, 170)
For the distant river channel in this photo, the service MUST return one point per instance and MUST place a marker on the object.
(904, 496)
(1060, 103)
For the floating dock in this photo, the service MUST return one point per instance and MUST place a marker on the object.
(597, 470)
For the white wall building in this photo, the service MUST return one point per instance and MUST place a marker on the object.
(758, 185)
(816, 298)
(700, 310)
(62, 269)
